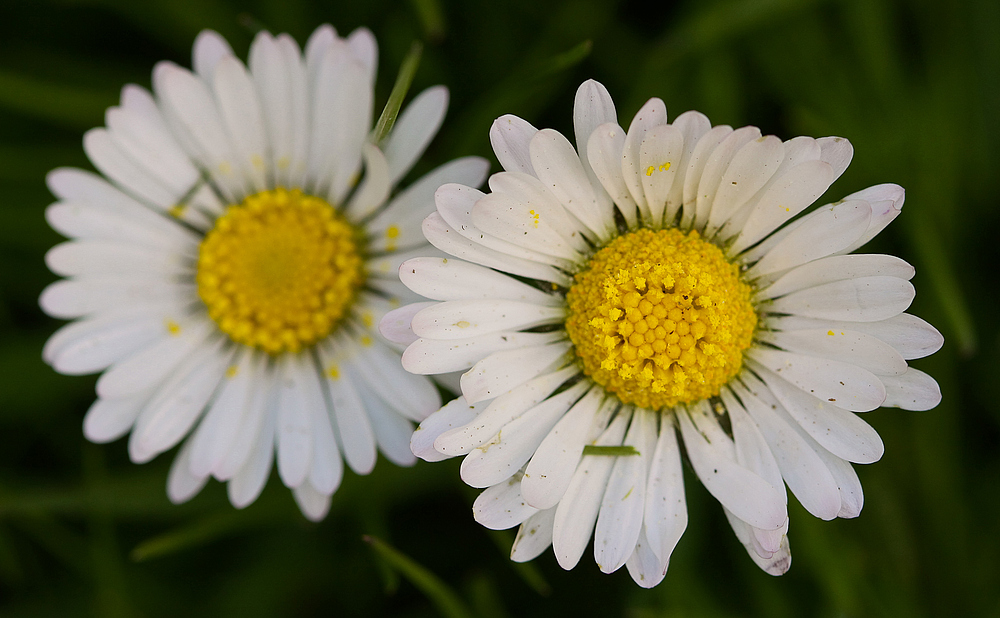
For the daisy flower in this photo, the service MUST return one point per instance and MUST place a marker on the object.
(650, 294)
(227, 270)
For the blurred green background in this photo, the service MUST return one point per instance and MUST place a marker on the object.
(914, 85)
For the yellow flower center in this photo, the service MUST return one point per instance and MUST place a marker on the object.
(279, 271)
(660, 318)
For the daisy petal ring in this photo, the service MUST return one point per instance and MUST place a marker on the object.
(650, 296)
(226, 269)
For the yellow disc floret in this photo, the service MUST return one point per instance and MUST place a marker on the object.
(279, 271)
(660, 318)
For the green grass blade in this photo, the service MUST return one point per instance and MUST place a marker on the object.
(403, 80)
(444, 598)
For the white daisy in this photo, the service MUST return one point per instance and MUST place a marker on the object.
(650, 292)
(228, 269)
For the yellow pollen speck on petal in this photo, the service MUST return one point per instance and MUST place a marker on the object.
(279, 271)
(462, 324)
(367, 341)
(231, 371)
(283, 163)
(257, 162)
(829, 332)
(368, 319)
(177, 211)
(225, 168)
(650, 170)
(660, 318)
(333, 372)
(665, 166)
(392, 231)
(534, 216)
(173, 328)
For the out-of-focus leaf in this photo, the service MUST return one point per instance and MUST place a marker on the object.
(443, 597)
(75, 108)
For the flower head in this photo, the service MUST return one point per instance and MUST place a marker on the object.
(649, 293)
(228, 269)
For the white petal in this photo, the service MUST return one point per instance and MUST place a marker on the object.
(327, 468)
(151, 365)
(560, 169)
(374, 189)
(526, 224)
(209, 48)
(848, 346)
(844, 385)
(652, 114)
(665, 517)
(109, 157)
(450, 279)
(442, 236)
(354, 428)
(91, 345)
(511, 448)
(510, 136)
(824, 234)
(620, 520)
(258, 411)
(914, 390)
(806, 474)
(297, 396)
(842, 433)
(777, 563)
(693, 125)
(501, 506)
(218, 430)
(644, 566)
(397, 227)
(178, 403)
(392, 431)
(456, 413)
(865, 299)
(501, 411)
(247, 484)
(110, 419)
(431, 356)
(788, 195)
(837, 268)
(460, 319)
(911, 336)
(886, 201)
(313, 503)
(592, 107)
(836, 151)
(604, 153)
(364, 48)
(501, 371)
(660, 155)
(127, 222)
(747, 495)
(241, 114)
(533, 537)
(551, 468)
(577, 511)
(715, 167)
(417, 124)
(527, 190)
(395, 325)
(101, 257)
(699, 158)
(750, 169)
(411, 395)
(181, 484)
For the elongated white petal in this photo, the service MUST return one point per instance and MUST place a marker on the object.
(241, 114)
(914, 390)
(911, 336)
(217, 432)
(430, 356)
(848, 346)
(604, 153)
(501, 371)
(837, 268)
(460, 319)
(374, 189)
(644, 565)
(450, 279)
(533, 537)
(91, 345)
(716, 165)
(652, 114)
(501, 506)
(886, 201)
(354, 428)
(454, 414)
(528, 225)
(511, 448)
(551, 468)
(249, 481)
(747, 495)
(692, 125)
(392, 431)
(101, 257)
(750, 169)
(838, 430)
(501, 411)
(110, 419)
(620, 520)
(256, 417)
(182, 485)
(209, 48)
(865, 299)
(417, 124)
(327, 467)
(665, 517)
(395, 325)
(510, 136)
(844, 385)
(660, 155)
(699, 158)
(577, 512)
